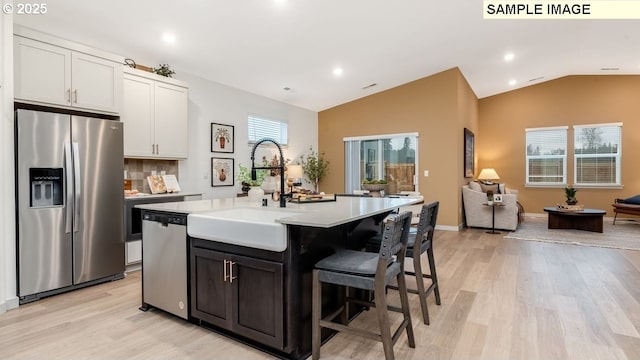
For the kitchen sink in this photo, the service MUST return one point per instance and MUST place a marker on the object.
(252, 227)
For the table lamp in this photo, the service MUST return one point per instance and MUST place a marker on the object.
(488, 174)
(294, 175)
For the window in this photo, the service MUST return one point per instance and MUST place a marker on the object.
(393, 158)
(262, 128)
(597, 154)
(547, 156)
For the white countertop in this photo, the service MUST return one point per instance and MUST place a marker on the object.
(322, 214)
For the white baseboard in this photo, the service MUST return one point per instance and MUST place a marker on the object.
(448, 227)
(9, 304)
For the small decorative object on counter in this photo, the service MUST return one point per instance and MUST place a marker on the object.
(256, 194)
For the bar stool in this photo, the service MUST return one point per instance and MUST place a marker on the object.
(368, 271)
(424, 235)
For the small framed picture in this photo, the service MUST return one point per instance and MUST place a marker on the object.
(222, 138)
(222, 171)
(497, 198)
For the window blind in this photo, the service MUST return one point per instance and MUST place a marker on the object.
(597, 154)
(546, 156)
(263, 128)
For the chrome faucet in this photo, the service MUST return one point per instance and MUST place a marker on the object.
(283, 202)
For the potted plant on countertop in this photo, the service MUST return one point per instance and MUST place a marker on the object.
(244, 178)
(489, 197)
(570, 194)
(315, 167)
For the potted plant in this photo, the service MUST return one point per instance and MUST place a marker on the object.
(489, 197)
(314, 167)
(222, 136)
(164, 70)
(570, 194)
(244, 177)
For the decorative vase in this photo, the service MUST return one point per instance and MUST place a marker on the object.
(489, 202)
(571, 201)
(270, 184)
(255, 194)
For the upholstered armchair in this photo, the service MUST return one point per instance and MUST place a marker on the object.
(478, 214)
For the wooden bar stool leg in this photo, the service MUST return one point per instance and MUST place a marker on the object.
(316, 314)
(404, 301)
(383, 319)
(417, 265)
(434, 276)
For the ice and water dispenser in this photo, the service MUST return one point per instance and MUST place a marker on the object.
(47, 186)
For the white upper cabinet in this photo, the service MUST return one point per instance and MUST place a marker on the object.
(155, 116)
(53, 71)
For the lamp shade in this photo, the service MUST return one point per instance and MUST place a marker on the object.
(488, 174)
(294, 171)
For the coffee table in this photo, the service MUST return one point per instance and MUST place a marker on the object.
(586, 219)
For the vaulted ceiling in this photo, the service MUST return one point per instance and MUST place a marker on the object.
(288, 50)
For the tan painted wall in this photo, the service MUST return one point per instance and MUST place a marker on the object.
(572, 100)
(438, 107)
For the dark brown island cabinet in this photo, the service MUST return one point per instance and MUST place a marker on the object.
(263, 298)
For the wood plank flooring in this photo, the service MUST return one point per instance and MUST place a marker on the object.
(501, 299)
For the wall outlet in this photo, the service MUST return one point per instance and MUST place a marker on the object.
(163, 172)
(153, 173)
(426, 173)
(205, 175)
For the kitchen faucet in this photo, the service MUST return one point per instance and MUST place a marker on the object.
(283, 202)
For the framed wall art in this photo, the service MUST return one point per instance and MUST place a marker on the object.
(222, 138)
(468, 153)
(222, 171)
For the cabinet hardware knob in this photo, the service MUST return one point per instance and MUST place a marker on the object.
(75, 96)
(69, 95)
(224, 270)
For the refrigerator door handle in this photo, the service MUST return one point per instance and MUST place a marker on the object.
(77, 182)
(67, 169)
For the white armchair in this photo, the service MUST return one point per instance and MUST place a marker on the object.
(478, 214)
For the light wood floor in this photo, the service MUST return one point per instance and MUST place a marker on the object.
(501, 299)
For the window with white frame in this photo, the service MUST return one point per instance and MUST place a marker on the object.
(264, 128)
(546, 155)
(597, 154)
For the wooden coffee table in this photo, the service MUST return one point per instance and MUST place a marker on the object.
(586, 219)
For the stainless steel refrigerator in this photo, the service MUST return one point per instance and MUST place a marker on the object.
(69, 193)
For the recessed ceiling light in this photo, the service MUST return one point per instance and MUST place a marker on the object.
(169, 38)
(337, 71)
(512, 82)
(509, 56)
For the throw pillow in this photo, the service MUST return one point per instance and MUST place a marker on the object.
(635, 200)
(492, 187)
(475, 186)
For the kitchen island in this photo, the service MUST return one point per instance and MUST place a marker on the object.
(260, 292)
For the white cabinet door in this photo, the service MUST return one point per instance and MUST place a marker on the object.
(137, 116)
(171, 121)
(42, 72)
(96, 83)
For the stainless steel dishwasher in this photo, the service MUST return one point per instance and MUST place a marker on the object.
(164, 262)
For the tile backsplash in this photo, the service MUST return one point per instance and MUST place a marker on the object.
(138, 170)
